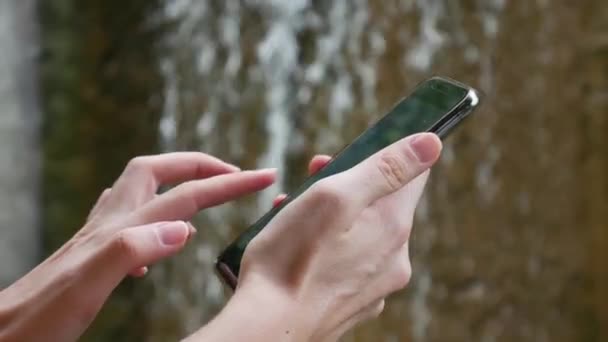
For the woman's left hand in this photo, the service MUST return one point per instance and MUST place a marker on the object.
(129, 228)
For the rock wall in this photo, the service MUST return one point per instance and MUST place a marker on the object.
(102, 95)
(20, 233)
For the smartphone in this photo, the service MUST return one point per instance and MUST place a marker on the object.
(436, 105)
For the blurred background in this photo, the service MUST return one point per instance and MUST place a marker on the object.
(511, 238)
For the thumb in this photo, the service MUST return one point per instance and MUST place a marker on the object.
(393, 167)
(147, 244)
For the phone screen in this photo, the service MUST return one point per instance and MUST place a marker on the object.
(422, 111)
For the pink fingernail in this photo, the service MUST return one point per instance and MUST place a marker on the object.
(269, 170)
(173, 233)
(425, 148)
(191, 231)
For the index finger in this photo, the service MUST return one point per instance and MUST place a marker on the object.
(143, 175)
(170, 168)
(187, 199)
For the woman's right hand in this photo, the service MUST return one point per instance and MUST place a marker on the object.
(329, 258)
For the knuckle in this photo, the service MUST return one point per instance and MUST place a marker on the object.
(138, 164)
(193, 197)
(395, 223)
(328, 195)
(402, 276)
(377, 309)
(123, 246)
(395, 229)
(373, 311)
(374, 217)
(394, 169)
(188, 196)
(402, 234)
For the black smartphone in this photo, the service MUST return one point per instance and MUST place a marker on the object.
(436, 105)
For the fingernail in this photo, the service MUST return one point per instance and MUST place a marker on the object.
(265, 170)
(270, 170)
(236, 168)
(173, 233)
(424, 147)
(191, 231)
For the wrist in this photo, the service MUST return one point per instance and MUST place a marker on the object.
(8, 312)
(258, 312)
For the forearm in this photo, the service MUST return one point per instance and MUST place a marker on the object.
(256, 314)
(44, 305)
(6, 313)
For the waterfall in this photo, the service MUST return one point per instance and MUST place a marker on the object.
(430, 39)
(278, 57)
(19, 150)
(270, 83)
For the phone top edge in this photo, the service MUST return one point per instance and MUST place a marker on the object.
(457, 114)
(448, 80)
(472, 94)
(462, 109)
(476, 92)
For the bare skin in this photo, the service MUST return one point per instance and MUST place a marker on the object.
(325, 263)
(129, 228)
(328, 260)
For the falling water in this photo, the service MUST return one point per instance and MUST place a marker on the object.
(278, 60)
(486, 185)
(270, 83)
(421, 58)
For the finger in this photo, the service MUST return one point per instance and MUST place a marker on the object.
(390, 169)
(191, 229)
(334, 201)
(142, 271)
(187, 199)
(171, 168)
(143, 175)
(133, 248)
(99, 204)
(317, 163)
(139, 272)
(280, 198)
(124, 251)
